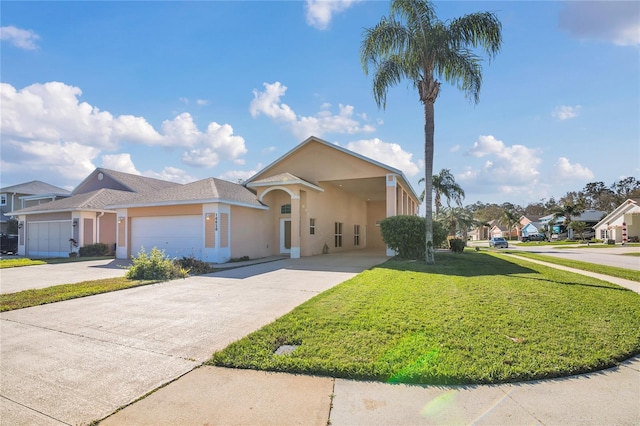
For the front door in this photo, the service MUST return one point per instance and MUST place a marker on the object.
(285, 235)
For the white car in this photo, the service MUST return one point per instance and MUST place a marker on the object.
(498, 242)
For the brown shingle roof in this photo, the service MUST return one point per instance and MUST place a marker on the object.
(205, 190)
(35, 187)
(94, 200)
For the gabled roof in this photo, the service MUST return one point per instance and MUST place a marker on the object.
(338, 148)
(628, 204)
(282, 179)
(126, 181)
(210, 190)
(89, 201)
(35, 187)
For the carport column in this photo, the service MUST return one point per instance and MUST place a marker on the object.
(122, 246)
(392, 202)
(295, 226)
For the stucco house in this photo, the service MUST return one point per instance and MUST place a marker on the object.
(318, 197)
(24, 195)
(46, 230)
(626, 215)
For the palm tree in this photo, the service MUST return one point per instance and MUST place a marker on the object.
(444, 184)
(413, 43)
(568, 211)
(510, 217)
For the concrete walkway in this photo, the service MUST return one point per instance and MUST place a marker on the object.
(220, 396)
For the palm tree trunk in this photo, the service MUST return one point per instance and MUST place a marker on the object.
(429, 131)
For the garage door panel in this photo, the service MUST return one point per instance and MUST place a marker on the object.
(49, 239)
(177, 235)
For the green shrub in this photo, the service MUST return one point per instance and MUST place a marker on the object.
(194, 266)
(406, 235)
(97, 249)
(154, 266)
(456, 245)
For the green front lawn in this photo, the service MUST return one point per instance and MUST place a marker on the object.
(57, 293)
(23, 261)
(476, 317)
(614, 271)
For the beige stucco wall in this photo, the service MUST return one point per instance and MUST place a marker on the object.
(250, 233)
(187, 209)
(316, 162)
(376, 212)
(48, 216)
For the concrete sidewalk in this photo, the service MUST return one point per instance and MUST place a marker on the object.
(220, 396)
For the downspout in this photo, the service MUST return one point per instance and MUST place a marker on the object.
(98, 227)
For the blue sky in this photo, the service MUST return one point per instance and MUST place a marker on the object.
(187, 90)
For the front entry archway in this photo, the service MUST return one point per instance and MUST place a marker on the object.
(285, 235)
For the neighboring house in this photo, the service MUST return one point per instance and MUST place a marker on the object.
(531, 228)
(557, 227)
(482, 232)
(46, 230)
(318, 197)
(627, 213)
(498, 230)
(26, 195)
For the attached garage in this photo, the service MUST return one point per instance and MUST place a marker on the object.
(178, 236)
(49, 239)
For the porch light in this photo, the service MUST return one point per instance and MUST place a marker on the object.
(75, 222)
(120, 220)
(20, 225)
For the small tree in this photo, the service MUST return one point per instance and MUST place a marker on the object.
(579, 227)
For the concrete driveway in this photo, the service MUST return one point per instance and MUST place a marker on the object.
(76, 361)
(41, 276)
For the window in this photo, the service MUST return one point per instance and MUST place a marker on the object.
(312, 227)
(356, 235)
(3, 199)
(338, 234)
(285, 209)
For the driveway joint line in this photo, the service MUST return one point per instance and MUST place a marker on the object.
(36, 411)
(190, 359)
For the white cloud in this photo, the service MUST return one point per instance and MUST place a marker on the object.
(23, 39)
(202, 102)
(184, 100)
(219, 141)
(172, 174)
(240, 175)
(617, 22)
(120, 162)
(564, 170)
(515, 164)
(387, 153)
(269, 103)
(52, 114)
(455, 148)
(320, 12)
(565, 112)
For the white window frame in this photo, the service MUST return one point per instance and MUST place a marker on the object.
(312, 226)
(3, 199)
(356, 235)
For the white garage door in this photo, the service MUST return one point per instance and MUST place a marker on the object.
(49, 239)
(178, 236)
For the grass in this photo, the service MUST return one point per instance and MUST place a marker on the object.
(475, 317)
(18, 262)
(631, 254)
(41, 296)
(627, 274)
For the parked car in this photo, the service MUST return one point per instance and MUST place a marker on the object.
(498, 242)
(8, 243)
(532, 237)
